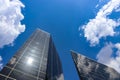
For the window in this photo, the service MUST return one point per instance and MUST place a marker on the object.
(5, 71)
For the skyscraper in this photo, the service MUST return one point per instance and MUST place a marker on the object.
(89, 69)
(37, 59)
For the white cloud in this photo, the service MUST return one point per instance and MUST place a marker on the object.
(10, 17)
(102, 25)
(105, 53)
(117, 46)
(1, 64)
(105, 56)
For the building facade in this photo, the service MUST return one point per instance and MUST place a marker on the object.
(37, 59)
(89, 69)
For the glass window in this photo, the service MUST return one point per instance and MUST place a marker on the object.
(20, 52)
(12, 62)
(43, 69)
(5, 71)
(10, 79)
(42, 79)
(27, 69)
(26, 60)
(21, 76)
(42, 75)
(32, 54)
(2, 77)
(33, 49)
(22, 60)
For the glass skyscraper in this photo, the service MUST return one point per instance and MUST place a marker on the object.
(37, 59)
(89, 69)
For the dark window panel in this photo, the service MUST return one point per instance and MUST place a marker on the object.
(2, 77)
(41, 79)
(16, 74)
(5, 71)
(21, 76)
(9, 65)
(10, 79)
(19, 53)
(27, 69)
(42, 75)
(43, 69)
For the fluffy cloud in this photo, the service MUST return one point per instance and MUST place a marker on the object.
(10, 17)
(102, 25)
(105, 56)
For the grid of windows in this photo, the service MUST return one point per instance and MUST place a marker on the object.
(27, 63)
(31, 60)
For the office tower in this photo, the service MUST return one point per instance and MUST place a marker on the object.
(37, 59)
(89, 69)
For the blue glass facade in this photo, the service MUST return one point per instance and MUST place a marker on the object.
(37, 59)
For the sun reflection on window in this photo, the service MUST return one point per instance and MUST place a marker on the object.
(30, 60)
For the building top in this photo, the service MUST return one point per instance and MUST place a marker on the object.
(40, 30)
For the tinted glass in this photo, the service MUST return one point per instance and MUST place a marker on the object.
(21, 76)
(5, 71)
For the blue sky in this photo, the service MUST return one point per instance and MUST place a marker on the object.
(90, 27)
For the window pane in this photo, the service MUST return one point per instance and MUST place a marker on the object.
(5, 71)
(2, 77)
(27, 69)
(21, 76)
